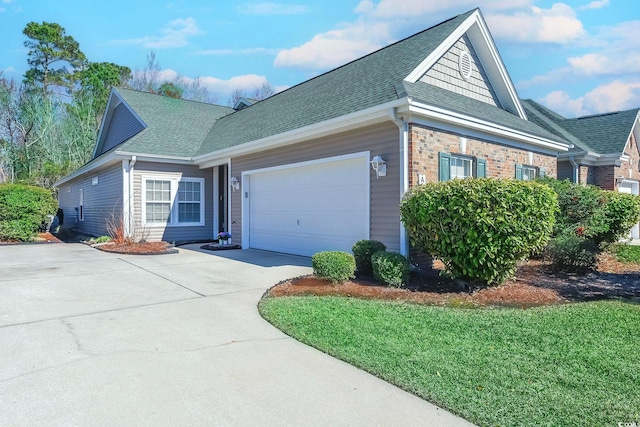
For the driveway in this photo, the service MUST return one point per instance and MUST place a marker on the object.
(91, 338)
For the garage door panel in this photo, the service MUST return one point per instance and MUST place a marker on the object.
(303, 210)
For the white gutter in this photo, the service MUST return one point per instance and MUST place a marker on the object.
(379, 113)
(447, 116)
(576, 176)
(403, 128)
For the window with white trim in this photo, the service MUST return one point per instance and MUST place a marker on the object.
(528, 173)
(461, 167)
(173, 201)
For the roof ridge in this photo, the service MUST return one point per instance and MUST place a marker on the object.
(611, 113)
(117, 88)
(469, 12)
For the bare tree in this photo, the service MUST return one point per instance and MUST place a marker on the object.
(263, 92)
(146, 79)
(235, 97)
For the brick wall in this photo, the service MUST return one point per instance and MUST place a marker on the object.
(425, 143)
(630, 169)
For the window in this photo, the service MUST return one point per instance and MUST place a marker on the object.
(454, 166)
(158, 202)
(460, 167)
(173, 201)
(528, 173)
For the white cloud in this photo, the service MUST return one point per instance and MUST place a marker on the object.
(336, 47)
(614, 96)
(597, 4)
(175, 34)
(9, 69)
(268, 8)
(219, 88)
(7, 1)
(558, 24)
(382, 22)
(244, 51)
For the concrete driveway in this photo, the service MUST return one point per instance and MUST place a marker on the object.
(90, 338)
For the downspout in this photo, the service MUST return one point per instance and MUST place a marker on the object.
(575, 169)
(403, 128)
(129, 213)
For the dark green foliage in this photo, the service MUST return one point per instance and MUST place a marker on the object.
(97, 80)
(480, 228)
(599, 215)
(171, 90)
(336, 266)
(23, 209)
(589, 219)
(390, 268)
(626, 253)
(49, 45)
(362, 251)
(572, 253)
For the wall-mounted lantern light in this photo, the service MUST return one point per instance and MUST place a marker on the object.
(235, 184)
(619, 179)
(379, 165)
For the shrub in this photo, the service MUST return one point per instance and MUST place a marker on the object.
(626, 253)
(572, 253)
(23, 209)
(103, 239)
(480, 228)
(336, 266)
(362, 251)
(390, 268)
(599, 215)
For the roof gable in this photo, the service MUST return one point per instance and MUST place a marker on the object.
(476, 36)
(600, 133)
(119, 123)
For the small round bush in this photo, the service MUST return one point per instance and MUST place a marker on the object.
(480, 228)
(336, 266)
(23, 209)
(390, 268)
(362, 251)
(572, 253)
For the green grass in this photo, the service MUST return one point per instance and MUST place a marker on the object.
(569, 365)
(627, 253)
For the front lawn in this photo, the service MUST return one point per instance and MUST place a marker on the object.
(573, 364)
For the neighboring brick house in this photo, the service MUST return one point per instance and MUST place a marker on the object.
(605, 148)
(322, 164)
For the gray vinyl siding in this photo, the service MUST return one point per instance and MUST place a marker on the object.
(565, 170)
(446, 75)
(123, 125)
(381, 139)
(173, 233)
(101, 201)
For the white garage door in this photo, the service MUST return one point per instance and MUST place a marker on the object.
(631, 188)
(305, 209)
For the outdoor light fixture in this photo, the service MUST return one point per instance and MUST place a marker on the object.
(619, 179)
(235, 184)
(379, 165)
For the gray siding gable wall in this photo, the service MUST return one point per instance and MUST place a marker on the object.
(122, 126)
(445, 74)
(101, 200)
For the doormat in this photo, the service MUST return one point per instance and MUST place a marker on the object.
(217, 247)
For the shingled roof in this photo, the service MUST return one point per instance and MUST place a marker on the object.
(175, 127)
(601, 133)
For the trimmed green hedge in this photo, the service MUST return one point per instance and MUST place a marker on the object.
(336, 266)
(23, 208)
(390, 268)
(480, 228)
(362, 251)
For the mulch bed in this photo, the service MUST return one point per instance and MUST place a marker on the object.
(535, 285)
(140, 248)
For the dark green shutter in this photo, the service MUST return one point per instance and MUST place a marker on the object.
(481, 168)
(518, 171)
(542, 173)
(444, 160)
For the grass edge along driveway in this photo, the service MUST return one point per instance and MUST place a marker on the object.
(574, 364)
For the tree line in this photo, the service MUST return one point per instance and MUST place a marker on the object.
(49, 121)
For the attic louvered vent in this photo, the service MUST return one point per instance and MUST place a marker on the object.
(464, 64)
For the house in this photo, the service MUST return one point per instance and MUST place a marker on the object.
(605, 148)
(320, 165)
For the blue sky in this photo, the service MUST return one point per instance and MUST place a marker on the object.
(577, 57)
